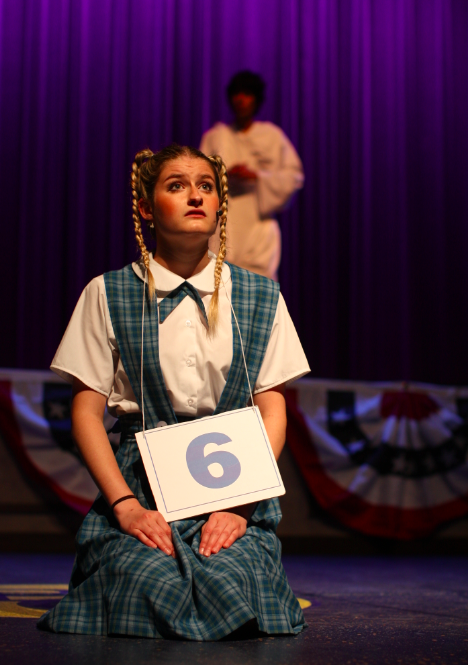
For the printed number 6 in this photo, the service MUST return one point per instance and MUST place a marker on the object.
(198, 464)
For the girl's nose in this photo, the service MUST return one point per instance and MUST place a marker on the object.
(195, 198)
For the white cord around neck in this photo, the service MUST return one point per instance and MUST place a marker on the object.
(142, 342)
(241, 343)
(141, 355)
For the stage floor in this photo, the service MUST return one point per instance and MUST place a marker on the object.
(362, 611)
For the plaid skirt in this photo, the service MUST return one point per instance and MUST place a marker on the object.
(121, 587)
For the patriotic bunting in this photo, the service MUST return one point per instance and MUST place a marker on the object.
(35, 424)
(387, 460)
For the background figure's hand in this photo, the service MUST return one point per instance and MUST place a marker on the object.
(241, 172)
(221, 530)
(148, 526)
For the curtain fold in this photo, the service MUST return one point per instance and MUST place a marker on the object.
(374, 95)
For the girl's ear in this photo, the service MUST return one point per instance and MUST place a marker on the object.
(145, 209)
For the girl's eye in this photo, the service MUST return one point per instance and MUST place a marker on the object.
(207, 186)
(175, 186)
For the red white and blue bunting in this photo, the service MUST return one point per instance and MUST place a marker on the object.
(384, 459)
(388, 460)
(35, 425)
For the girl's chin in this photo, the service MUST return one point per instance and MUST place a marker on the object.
(199, 226)
(190, 227)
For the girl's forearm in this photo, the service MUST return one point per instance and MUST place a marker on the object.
(272, 407)
(148, 526)
(276, 430)
(93, 443)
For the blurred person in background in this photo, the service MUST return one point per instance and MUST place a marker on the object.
(264, 172)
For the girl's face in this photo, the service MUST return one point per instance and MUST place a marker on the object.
(185, 200)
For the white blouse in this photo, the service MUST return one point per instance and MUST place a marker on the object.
(194, 365)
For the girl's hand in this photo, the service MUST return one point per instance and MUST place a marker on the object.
(221, 530)
(148, 526)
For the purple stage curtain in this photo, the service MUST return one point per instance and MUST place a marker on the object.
(374, 94)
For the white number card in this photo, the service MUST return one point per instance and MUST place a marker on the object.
(210, 464)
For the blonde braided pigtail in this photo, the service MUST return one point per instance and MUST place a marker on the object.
(223, 200)
(138, 192)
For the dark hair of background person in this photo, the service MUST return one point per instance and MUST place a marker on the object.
(249, 82)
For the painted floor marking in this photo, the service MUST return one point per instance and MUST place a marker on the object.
(11, 595)
(304, 603)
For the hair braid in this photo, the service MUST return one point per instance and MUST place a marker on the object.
(223, 200)
(146, 170)
(138, 192)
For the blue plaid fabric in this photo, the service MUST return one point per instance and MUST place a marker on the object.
(121, 587)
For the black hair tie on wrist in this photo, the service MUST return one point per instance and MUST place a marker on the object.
(123, 498)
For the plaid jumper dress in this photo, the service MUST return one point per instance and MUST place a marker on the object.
(120, 586)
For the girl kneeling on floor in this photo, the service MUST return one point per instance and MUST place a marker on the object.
(202, 578)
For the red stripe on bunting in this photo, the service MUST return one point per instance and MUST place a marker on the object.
(350, 509)
(404, 404)
(12, 435)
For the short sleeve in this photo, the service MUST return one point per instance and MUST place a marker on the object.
(87, 348)
(284, 360)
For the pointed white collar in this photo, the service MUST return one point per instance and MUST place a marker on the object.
(166, 281)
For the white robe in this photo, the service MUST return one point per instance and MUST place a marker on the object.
(253, 234)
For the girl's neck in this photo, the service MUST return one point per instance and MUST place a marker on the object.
(183, 263)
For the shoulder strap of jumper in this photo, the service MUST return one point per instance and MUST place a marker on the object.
(124, 291)
(255, 300)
